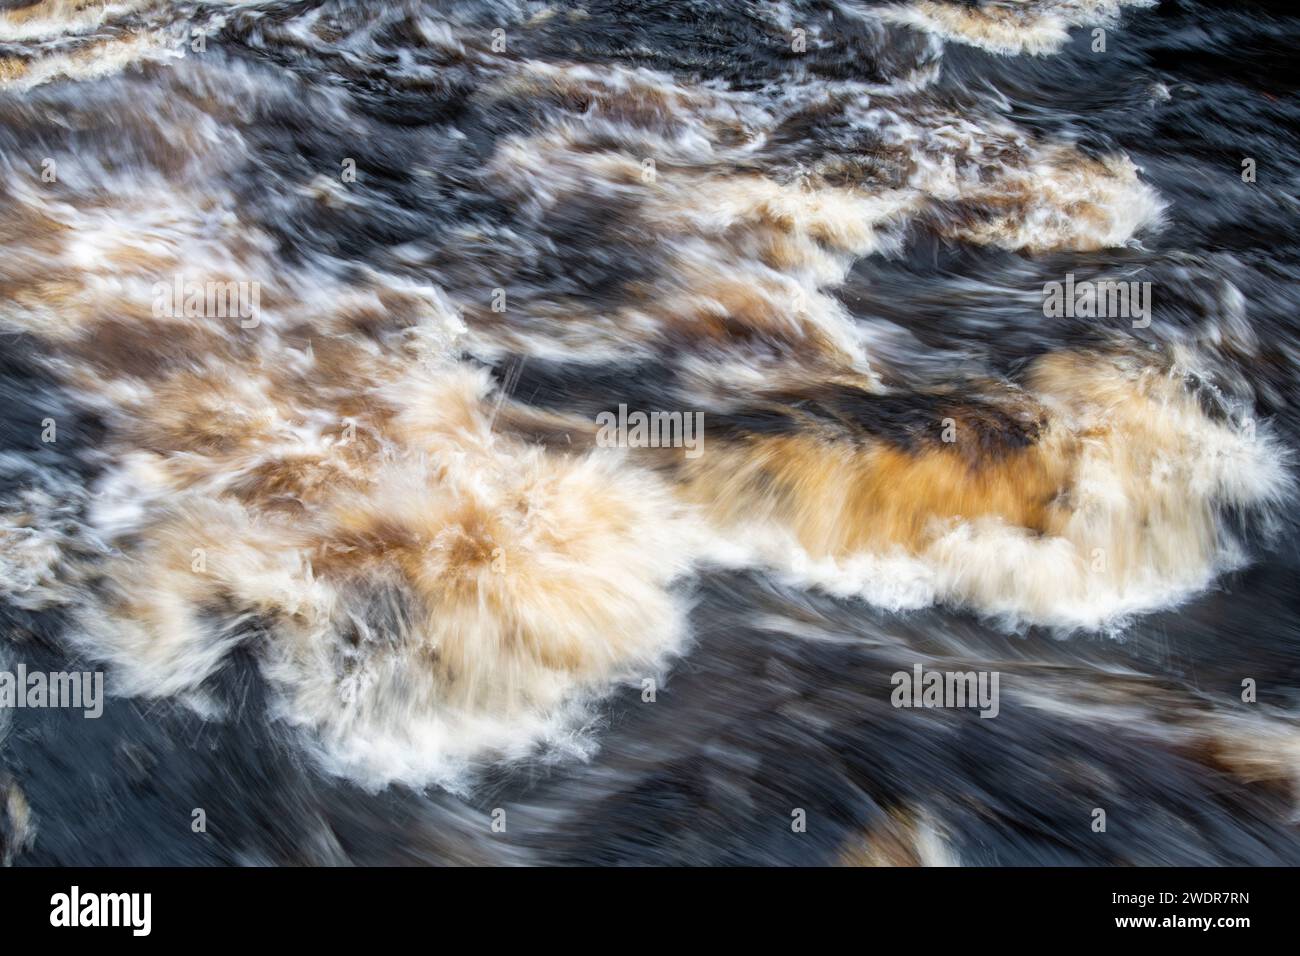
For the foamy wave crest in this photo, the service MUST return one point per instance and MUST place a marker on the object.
(1112, 494)
(1009, 27)
(425, 598)
(747, 254)
(49, 19)
(319, 481)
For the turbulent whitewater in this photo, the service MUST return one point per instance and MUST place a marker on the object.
(311, 314)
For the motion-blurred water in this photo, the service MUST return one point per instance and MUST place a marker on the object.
(312, 312)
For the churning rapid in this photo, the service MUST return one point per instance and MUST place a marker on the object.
(506, 431)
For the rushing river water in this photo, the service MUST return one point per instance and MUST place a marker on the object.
(521, 432)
